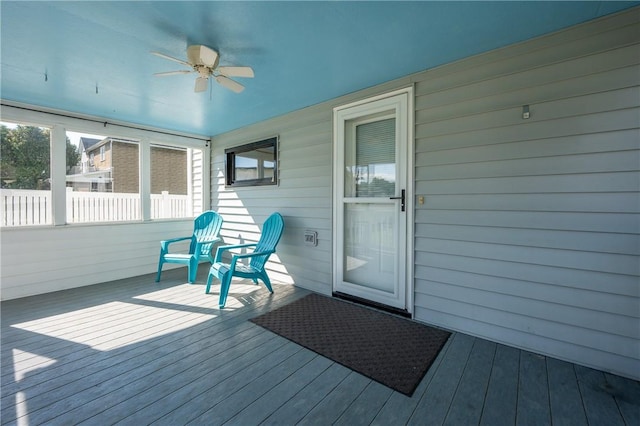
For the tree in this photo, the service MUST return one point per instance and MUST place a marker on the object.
(73, 156)
(7, 169)
(25, 157)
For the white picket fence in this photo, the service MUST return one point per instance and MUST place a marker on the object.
(31, 207)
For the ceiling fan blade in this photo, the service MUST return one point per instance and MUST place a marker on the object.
(202, 55)
(201, 84)
(164, 74)
(230, 84)
(236, 71)
(171, 58)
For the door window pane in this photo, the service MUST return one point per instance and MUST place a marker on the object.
(25, 181)
(369, 245)
(371, 157)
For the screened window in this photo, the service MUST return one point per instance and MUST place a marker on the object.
(107, 190)
(114, 177)
(253, 164)
(170, 196)
(25, 175)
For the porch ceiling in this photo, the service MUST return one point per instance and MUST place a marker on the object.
(93, 57)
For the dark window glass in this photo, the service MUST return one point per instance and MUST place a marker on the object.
(252, 164)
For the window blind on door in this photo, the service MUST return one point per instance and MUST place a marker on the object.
(375, 158)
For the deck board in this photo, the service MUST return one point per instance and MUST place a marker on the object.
(398, 409)
(196, 400)
(233, 404)
(467, 404)
(271, 397)
(334, 404)
(627, 394)
(112, 387)
(500, 402)
(365, 407)
(533, 391)
(181, 381)
(600, 403)
(436, 401)
(138, 352)
(297, 406)
(564, 394)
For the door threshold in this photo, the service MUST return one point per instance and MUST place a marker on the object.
(372, 304)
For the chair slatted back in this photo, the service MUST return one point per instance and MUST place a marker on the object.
(207, 225)
(271, 233)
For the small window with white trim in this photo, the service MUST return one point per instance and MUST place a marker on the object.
(252, 164)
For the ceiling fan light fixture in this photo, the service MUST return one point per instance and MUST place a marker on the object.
(201, 84)
(203, 71)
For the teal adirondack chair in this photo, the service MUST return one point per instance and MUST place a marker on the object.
(206, 230)
(255, 269)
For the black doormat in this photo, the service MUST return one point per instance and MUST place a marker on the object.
(394, 351)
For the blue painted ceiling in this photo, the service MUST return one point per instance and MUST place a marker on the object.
(302, 53)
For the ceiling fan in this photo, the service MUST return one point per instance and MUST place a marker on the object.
(204, 61)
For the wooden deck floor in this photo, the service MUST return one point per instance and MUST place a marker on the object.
(136, 352)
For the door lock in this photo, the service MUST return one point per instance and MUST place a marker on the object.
(401, 197)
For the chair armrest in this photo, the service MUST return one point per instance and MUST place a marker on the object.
(237, 257)
(255, 253)
(165, 243)
(207, 240)
(221, 249)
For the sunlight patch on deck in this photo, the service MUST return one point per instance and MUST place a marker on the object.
(118, 324)
(21, 409)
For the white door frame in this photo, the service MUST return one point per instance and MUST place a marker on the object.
(338, 131)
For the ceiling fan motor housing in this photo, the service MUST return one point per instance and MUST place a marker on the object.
(202, 55)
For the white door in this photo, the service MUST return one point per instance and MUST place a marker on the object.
(371, 192)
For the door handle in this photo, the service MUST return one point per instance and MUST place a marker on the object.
(401, 197)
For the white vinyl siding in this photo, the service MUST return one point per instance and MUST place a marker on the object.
(530, 230)
(41, 260)
(303, 196)
(198, 183)
(529, 234)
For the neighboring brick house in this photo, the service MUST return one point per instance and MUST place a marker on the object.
(112, 165)
(168, 170)
(84, 177)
